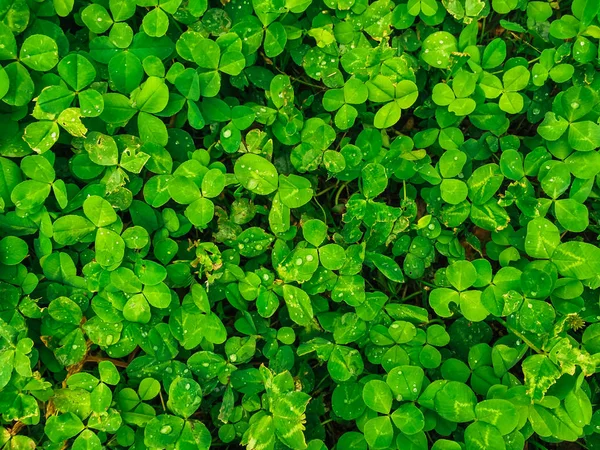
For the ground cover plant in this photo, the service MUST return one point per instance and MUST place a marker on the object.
(322, 224)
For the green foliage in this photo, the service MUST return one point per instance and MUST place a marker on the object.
(302, 224)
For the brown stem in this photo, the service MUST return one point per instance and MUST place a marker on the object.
(16, 428)
(116, 362)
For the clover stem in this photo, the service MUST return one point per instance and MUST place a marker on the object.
(162, 402)
(321, 382)
(440, 321)
(298, 80)
(339, 192)
(322, 209)
(116, 362)
(414, 294)
(524, 41)
(340, 141)
(482, 30)
(324, 191)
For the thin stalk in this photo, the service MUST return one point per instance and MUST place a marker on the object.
(414, 294)
(324, 191)
(339, 192)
